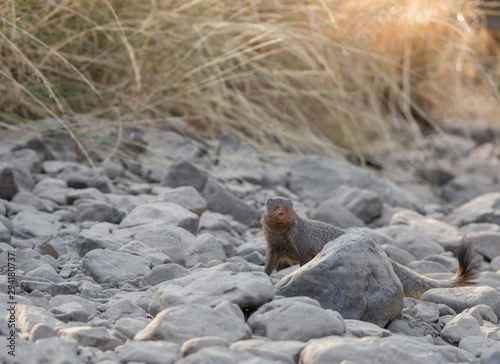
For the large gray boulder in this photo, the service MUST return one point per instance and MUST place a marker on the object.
(483, 208)
(351, 275)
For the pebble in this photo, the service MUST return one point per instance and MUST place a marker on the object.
(164, 264)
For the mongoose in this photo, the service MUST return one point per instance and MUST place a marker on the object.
(293, 239)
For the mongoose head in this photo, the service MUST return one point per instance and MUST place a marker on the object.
(279, 210)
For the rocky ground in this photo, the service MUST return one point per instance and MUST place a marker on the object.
(146, 262)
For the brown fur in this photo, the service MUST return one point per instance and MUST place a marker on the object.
(293, 239)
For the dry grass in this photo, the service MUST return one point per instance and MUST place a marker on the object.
(298, 74)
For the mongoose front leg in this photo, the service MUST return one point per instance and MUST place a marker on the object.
(272, 258)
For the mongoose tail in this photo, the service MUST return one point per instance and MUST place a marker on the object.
(415, 284)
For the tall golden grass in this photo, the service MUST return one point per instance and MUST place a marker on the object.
(298, 74)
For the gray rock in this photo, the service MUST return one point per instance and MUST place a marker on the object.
(159, 214)
(154, 256)
(57, 350)
(461, 326)
(484, 208)
(221, 201)
(368, 350)
(295, 319)
(45, 271)
(29, 224)
(111, 266)
(484, 311)
(477, 345)
(410, 238)
(491, 356)
(122, 309)
(130, 326)
(162, 273)
(205, 249)
(180, 323)
(42, 331)
(5, 235)
(333, 212)
(398, 255)
(86, 335)
(54, 289)
(286, 351)
(73, 195)
(356, 328)
(461, 298)
(486, 243)
(186, 196)
(151, 352)
(29, 199)
(211, 287)
(410, 326)
(28, 316)
(28, 259)
(8, 183)
(342, 277)
(495, 264)
(238, 159)
(70, 311)
(171, 241)
(426, 267)
(214, 221)
(218, 354)
(317, 178)
(426, 311)
(446, 235)
(491, 279)
(365, 204)
(102, 235)
(465, 187)
(62, 300)
(91, 210)
(196, 344)
(183, 173)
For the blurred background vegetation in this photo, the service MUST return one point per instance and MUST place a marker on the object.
(300, 75)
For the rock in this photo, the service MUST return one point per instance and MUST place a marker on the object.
(342, 278)
(410, 238)
(426, 267)
(111, 266)
(186, 196)
(122, 309)
(356, 328)
(183, 173)
(86, 335)
(491, 355)
(171, 241)
(8, 183)
(410, 326)
(130, 326)
(461, 326)
(28, 316)
(196, 344)
(317, 178)
(159, 214)
(137, 248)
(162, 273)
(247, 290)
(180, 323)
(4, 234)
(46, 271)
(239, 160)
(365, 204)
(477, 345)
(285, 351)
(42, 331)
(221, 201)
(223, 355)
(297, 318)
(461, 298)
(29, 224)
(399, 255)
(86, 180)
(102, 235)
(205, 249)
(70, 311)
(465, 187)
(85, 194)
(28, 259)
(54, 289)
(484, 208)
(63, 300)
(151, 352)
(426, 311)
(90, 210)
(368, 350)
(495, 264)
(484, 311)
(486, 243)
(29, 199)
(332, 212)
